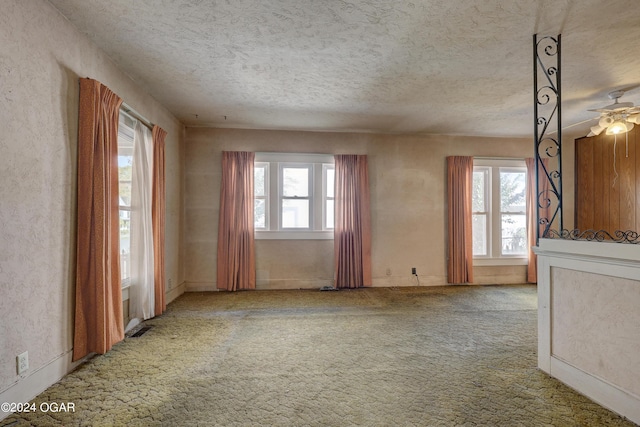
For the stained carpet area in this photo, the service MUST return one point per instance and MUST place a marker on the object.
(445, 356)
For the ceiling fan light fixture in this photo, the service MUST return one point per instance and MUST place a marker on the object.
(635, 118)
(596, 130)
(605, 121)
(618, 127)
(617, 118)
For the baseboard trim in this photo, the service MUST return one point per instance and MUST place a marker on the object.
(200, 287)
(176, 292)
(292, 284)
(28, 387)
(598, 390)
(407, 281)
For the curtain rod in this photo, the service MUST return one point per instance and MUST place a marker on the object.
(134, 114)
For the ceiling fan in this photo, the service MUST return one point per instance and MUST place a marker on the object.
(616, 118)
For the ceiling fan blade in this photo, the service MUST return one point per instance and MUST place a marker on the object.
(596, 130)
(580, 123)
(634, 118)
(576, 124)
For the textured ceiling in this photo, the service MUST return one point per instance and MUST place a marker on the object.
(459, 67)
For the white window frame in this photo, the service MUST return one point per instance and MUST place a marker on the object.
(325, 195)
(264, 197)
(494, 214)
(317, 164)
(309, 197)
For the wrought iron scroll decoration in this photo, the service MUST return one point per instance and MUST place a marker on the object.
(548, 153)
(618, 236)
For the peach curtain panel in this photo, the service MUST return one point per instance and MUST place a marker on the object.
(460, 217)
(158, 207)
(532, 219)
(534, 211)
(98, 310)
(352, 227)
(236, 247)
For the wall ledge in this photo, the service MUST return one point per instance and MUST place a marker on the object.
(603, 252)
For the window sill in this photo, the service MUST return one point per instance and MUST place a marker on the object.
(481, 262)
(294, 235)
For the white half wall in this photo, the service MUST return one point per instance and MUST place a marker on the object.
(589, 322)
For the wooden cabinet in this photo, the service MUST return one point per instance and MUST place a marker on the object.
(608, 182)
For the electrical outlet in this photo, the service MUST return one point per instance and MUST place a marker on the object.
(413, 271)
(22, 362)
(388, 272)
(170, 284)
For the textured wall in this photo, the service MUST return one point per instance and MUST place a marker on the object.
(408, 201)
(595, 325)
(41, 58)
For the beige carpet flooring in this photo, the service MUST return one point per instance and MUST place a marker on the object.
(445, 356)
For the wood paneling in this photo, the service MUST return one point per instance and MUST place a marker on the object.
(608, 182)
(627, 183)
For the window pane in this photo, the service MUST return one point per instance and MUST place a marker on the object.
(295, 213)
(125, 168)
(124, 164)
(479, 189)
(295, 182)
(125, 193)
(331, 173)
(125, 243)
(329, 214)
(480, 235)
(259, 217)
(258, 180)
(512, 191)
(514, 234)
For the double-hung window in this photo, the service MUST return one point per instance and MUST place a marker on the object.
(293, 196)
(295, 202)
(125, 168)
(499, 212)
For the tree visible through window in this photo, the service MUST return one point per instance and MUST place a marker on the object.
(499, 209)
(480, 211)
(513, 212)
